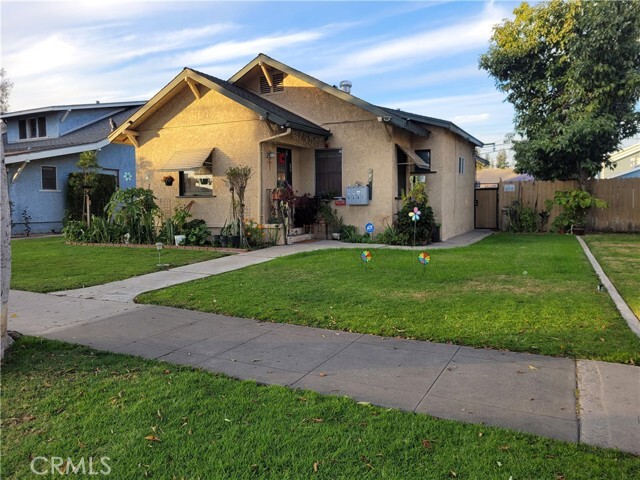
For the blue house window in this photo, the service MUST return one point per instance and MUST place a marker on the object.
(32, 128)
(49, 178)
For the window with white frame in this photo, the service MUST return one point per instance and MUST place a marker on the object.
(32, 128)
(49, 178)
(460, 165)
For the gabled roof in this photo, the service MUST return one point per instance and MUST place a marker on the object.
(389, 117)
(435, 122)
(263, 107)
(60, 108)
(88, 138)
(405, 120)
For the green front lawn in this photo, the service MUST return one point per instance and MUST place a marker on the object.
(535, 293)
(619, 257)
(164, 421)
(48, 264)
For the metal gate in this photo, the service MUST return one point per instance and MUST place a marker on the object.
(486, 208)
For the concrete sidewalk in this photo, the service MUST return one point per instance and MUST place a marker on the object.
(525, 392)
(127, 290)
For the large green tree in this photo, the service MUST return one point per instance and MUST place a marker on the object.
(571, 69)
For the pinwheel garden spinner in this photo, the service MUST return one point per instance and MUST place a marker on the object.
(415, 216)
(366, 257)
(424, 258)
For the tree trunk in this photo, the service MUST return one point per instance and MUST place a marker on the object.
(5, 255)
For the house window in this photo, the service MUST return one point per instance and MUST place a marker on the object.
(197, 182)
(401, 168)
(329, 173)
(49, 178)
(194, 184)
(461, 165)
(32, 128)
(278, 83)
(425, 155)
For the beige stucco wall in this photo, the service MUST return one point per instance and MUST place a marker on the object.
(186, 123)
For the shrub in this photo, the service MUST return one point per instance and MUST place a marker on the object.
(135, 211)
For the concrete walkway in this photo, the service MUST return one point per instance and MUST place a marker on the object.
(127, 290)
(525, 392)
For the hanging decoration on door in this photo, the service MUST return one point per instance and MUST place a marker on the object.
(282, 158)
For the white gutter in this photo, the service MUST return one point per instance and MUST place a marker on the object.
(269, 139)
(56, 152)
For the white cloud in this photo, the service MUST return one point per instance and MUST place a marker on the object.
(402, 50)
(470, 119)
(234, 49)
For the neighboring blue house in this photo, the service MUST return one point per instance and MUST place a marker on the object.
(42, 146)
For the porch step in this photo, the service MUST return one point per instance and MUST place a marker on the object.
(299, 238)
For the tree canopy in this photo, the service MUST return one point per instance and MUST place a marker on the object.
(571, 69)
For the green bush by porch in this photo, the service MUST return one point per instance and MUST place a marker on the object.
(534, 293)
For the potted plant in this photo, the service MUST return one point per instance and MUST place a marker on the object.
(179, 219)
(575, 207)
(234, 234)
(224, 235)
(168, 180)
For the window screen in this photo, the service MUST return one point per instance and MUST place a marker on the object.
(329, 173)
(49, 180)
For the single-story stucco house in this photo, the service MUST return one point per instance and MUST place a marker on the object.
(289, 126)
(42, 147)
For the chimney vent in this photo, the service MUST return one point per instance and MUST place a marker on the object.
(345, 86)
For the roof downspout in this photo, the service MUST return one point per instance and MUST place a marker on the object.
(268, 139)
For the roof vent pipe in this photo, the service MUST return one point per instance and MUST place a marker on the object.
(345, 86)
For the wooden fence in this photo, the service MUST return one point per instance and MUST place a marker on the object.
(622, 196)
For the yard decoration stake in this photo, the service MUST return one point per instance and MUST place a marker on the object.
(415, 216)
(424, 258)
(366, 258)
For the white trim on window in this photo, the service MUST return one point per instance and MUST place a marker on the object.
(50, 177)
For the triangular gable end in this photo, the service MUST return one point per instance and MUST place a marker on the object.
(195, 80)
(266, 63)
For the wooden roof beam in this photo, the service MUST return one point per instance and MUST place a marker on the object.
(194, 87)
(267, 75)
(132, 136)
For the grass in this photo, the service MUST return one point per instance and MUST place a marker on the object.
(534, 293)
(619, 256)
(73, 402)
(48, 264)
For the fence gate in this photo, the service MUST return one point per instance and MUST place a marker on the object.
(486, 208)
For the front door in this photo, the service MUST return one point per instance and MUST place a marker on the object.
(284, 172)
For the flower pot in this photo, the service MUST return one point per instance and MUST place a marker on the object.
(235, 241)
(335, 236)
(179, 239)
(224, 241)
(168, 182)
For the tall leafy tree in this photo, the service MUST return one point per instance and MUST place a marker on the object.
(571, 69)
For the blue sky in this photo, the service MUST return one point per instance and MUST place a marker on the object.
(418, 56)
